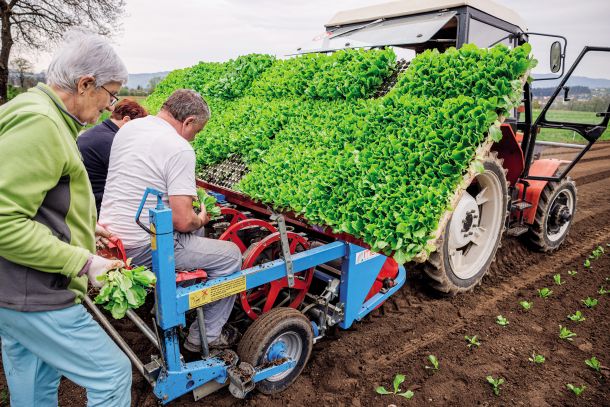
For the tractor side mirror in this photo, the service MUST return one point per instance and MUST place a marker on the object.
(555, 57)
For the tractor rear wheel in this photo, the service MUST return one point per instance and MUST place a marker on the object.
(471, 238)
(278, 334)
(554, 215)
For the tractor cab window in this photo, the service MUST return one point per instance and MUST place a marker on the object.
(483, 35)
(584, 96)
(438, 30)
(577, 108)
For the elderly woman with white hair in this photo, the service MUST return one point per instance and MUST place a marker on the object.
(47, 233)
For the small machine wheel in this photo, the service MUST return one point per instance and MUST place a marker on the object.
(472, 236)
(554, 215)
(278, 334)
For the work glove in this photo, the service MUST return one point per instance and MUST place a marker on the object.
(101, 236)
(100, 266)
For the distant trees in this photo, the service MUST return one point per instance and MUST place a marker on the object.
(574, 90)
(22, 67)
(33, 23)
(142, 90)
(152, 83)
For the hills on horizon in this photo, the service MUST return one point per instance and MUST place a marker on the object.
(141, 79)
(592, 83)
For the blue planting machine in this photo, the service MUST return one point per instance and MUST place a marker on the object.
(291, 291)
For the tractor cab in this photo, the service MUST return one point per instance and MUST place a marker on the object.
(419, 25)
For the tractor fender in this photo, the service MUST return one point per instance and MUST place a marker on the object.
(509, 150)
(540, 168)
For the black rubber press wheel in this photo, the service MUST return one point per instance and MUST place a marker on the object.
(281, 329)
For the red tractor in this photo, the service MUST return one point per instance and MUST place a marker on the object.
(516, 194)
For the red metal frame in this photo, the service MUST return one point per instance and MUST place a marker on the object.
(509, 150)
(292, 218)
(271, 290)
(389, 271)
(231, 232)
(542, 168)
(236, 216)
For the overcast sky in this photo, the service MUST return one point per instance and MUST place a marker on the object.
(158, 35)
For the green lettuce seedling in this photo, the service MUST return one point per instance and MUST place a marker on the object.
(544, 292)
(565, 333)
(537, 358)
(593, 363)
(603, 291)
(124, 289)
(557, 279)
(572, 273)
(576, 390)
(576, 317)
(434, 361)
(589, 302)
(398, 380)
(597, 253)
(495, 383)
(209, 203)
(502, 321)
(472, 341)
(526, 305)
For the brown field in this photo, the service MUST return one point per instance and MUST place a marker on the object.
(416, 322)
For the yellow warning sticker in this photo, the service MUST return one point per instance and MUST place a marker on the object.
(217, 292)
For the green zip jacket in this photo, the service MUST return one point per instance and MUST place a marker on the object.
(47, 210)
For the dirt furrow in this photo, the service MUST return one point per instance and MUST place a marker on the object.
(588, 179)
(499, 293)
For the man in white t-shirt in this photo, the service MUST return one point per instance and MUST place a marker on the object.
(155, 152)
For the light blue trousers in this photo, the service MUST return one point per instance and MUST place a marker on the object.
(40, 347)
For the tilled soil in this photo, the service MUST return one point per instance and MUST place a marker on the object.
(417, 322)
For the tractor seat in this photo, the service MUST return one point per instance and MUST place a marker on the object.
(115, 250)
(198, 274)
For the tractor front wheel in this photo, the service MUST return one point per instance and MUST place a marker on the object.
(471, 238)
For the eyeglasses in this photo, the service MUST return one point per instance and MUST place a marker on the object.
(113, 97)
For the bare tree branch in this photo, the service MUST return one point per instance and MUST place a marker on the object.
(34, 23)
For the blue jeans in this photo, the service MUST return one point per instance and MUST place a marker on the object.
(40, 347)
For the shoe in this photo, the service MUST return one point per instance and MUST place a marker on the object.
(190, 356)
(229, 336)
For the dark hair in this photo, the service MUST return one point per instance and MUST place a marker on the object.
(185, 103)
(127, 107)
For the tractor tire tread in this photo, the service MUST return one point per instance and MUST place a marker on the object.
(434, 266)
(535, 237)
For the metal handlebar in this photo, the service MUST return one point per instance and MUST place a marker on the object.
(149, 191)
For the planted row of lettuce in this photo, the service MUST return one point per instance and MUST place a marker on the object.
(348, 74)
(380, 169)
